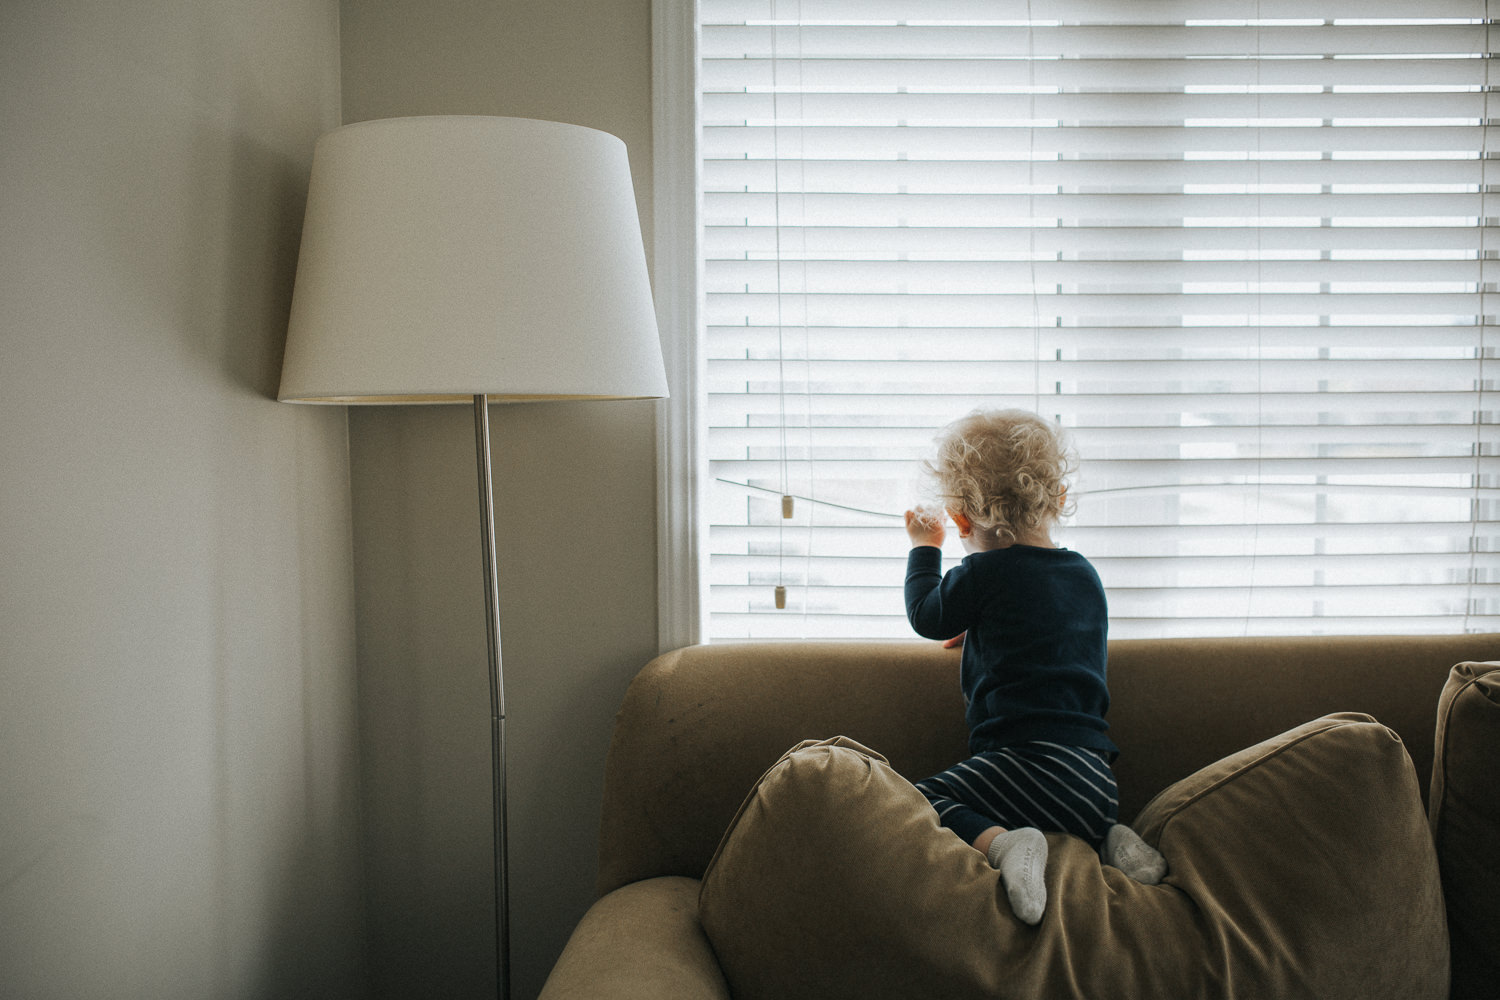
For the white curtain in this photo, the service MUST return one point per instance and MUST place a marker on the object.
(1240, 250)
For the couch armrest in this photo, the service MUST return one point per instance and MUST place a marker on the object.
(640, 942)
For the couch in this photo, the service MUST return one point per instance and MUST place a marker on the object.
(1315, 848)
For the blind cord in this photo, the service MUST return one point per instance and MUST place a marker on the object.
(1260, 259)
(1036, 308)
(1476, 509)
(786, 512)
(1373, 489)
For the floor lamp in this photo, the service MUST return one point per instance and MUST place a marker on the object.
(477, 260)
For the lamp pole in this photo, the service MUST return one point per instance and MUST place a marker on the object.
(497, 691)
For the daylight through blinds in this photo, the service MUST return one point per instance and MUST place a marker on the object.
(1243, 256)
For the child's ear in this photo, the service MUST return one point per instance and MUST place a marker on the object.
(963, 523)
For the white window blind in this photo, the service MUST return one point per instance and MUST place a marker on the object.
(1240, 250)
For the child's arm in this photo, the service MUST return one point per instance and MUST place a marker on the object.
(936, 606)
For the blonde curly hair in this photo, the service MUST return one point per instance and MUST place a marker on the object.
(1005, 470)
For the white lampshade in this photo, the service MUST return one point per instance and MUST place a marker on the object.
(448, 257)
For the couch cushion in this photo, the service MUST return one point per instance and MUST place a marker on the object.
(700, 725)
(1301, 867)
(1466, 822)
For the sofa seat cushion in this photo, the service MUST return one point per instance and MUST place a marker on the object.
(1465, 814)
(1301, 867)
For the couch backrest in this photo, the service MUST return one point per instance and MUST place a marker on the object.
(700, 725)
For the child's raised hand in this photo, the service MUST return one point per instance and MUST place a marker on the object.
(925, 527)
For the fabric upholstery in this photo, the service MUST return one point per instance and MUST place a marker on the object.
(642, 942)
(700, 725)
(1301, 867)
(1465, 816)
(1181, 704)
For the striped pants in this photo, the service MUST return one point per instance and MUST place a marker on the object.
(1049, 786)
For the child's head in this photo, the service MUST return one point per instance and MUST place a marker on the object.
(1004, 470)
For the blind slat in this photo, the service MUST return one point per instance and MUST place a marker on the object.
(1107, 11)
(1081, 72)
(939, 408)
(733, 443)
(1170, 107)
(1135, 176)
(1046, 41)
(997, 343)
(1003, 141)
(931, 276)
(724, 241)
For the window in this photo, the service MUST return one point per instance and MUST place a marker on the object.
(1240, 250)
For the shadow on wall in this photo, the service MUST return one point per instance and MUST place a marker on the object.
(288, 800)
(424, 701)
(253, 207)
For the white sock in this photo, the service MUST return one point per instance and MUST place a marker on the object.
(1124, 849)
(1021, 856)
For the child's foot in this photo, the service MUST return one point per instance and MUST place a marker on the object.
(1124, 849)
(1021, 856)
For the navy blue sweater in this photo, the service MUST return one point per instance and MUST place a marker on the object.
(1033, 664)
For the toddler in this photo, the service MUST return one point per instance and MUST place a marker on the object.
(1032, 620)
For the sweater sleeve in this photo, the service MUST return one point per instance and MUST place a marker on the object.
(938, 606)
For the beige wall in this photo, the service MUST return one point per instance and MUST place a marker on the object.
(179, 801)
(178, 771)
(574, 487)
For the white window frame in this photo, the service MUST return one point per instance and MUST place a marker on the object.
(676, 218)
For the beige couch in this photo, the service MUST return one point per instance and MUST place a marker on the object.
(700, 727)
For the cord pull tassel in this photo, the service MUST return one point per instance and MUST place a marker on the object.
(780, 598)
(786, 507)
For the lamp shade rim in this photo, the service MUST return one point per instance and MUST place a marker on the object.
(408, 398)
